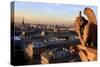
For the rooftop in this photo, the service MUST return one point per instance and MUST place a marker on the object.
(56, 53)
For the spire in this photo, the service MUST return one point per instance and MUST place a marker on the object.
(23, 21)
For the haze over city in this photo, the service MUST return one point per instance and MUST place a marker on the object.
(47, 13)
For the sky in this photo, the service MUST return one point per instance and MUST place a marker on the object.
(47, 13)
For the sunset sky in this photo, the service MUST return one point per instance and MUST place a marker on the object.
(47, 13)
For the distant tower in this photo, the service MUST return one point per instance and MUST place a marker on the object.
(23, 34)
(23, 23)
